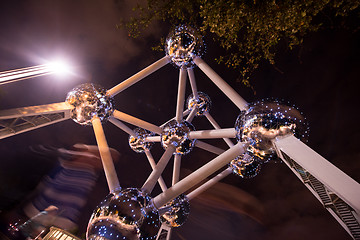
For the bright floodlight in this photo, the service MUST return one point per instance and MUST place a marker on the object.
(59, 67)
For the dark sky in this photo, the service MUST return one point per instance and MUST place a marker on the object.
(321, 79)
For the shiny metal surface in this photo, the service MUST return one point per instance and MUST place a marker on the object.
(202, 102)
(246, 166)
(138, 143)
(124, 215)
(176, 134)
(89, 100)
(182, 44)
(178, 213)
(264, 121)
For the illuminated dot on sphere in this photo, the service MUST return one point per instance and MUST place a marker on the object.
(123, 220)
(89, 100)
(202, 102)
(182, 44)
(260, 124)
(178, 213)
(176, 134)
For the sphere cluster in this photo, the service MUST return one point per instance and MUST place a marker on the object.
(202, 103)
(265, 121)
(178, 212)
(177, 135)
(182, 45)
(138, 143)
(89, 100)
(124, 215)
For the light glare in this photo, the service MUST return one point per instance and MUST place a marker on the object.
(59, 67)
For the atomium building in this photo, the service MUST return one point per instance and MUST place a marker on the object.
(263, 131)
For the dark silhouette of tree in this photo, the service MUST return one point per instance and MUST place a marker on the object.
(249, 31)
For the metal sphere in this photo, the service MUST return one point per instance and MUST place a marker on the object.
(124, 215)
(176, 134)
(246, 166)
(182, 44)
(202, 102)
(138, 143)
(89, 100)
(263, 122)
(178, 212)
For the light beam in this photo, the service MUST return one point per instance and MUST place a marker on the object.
(9, 76)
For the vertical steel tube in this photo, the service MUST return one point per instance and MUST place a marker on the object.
(108, 164)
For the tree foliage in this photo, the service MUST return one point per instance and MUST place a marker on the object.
(248, 30)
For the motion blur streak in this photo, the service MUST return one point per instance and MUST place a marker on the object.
(32, 72)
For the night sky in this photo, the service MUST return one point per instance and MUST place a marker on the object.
(321, 78)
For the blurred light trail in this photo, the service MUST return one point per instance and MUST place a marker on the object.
(32, 72)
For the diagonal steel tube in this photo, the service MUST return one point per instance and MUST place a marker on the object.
(208, 147)
(122, 126)
(209, 183)
(137, 122)
(221, 84)
(193, 82)
(138, 76)
(153, 165)
(199, 175)
(159, 168)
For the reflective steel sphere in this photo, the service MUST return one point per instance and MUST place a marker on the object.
(138, 143)
(178, 213)
(182, 44)
(203, 103)
(89, 100)
(124, 215)
(246, 166)
(176, 134)
(263, 122)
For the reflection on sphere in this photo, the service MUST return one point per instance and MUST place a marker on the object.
(203, 103)
(124, 215)
(178, 213)
(138, 143)
(263, 122)
(89, 100)
(176, 134)
(246, 166)
(182, 44)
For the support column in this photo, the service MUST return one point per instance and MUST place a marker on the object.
(108, 164)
